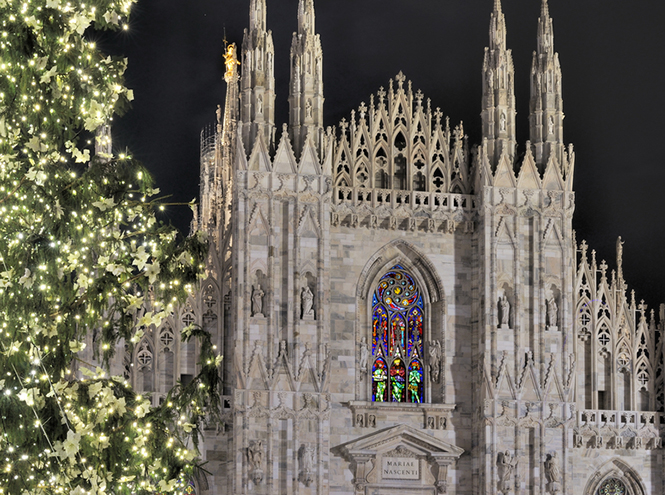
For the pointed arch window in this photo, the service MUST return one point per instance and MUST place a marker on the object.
(397, 338)
(612, 486)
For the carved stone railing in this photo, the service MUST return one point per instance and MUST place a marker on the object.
(428, 201)
(369, 414)
(620, 429)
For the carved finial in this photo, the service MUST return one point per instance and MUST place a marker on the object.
(437, 115)
(584, 247)
(419, 98)
(603, 269)
(400, 78)
(381, 94)
(544, 9)
(362, 109)
(343, 125)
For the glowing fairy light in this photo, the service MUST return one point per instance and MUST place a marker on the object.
(80, 247)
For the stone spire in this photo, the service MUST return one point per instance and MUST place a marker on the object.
(546, 108)
(498, 112)
(257, 84)
(306, 89)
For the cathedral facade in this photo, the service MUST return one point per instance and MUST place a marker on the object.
(402, 310)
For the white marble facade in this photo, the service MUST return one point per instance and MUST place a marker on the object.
(541, 372)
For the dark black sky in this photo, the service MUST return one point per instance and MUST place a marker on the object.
(612, 55)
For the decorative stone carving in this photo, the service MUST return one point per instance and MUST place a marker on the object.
(505, 312)
(364, 355)
(507, 465)
(306, 464)
(434, 360)
(553, 473)
(552, 313)
(307, 303)
(257, 301)
(255, 458)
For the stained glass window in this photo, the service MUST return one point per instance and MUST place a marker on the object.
(189, 488)
(397, 338)
(612, 486)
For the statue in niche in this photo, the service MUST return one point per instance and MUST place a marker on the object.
(307, 464)
(371, 421)
(550, 126)
(307, 301)
(364, 354)
(490, 79)
(360, 420)
(502, 122)
(255, 458)
(308, 109)
(257, 301)
(553, 472)
(552, 311)
(505, 312)
(506, 464)
(259, 104)
(434, 360)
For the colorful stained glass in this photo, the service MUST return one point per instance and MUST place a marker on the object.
(190, 489)
(415, 326)
(398, 315)
(397, 290)
(398, 381)
(415, 382)
(398, 333)
(379, 329)
(379, 381)
(612, 486)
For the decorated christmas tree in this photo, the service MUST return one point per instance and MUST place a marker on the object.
(82, 251)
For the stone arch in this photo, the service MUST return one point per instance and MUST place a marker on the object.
(425, 276)
(409, 256)
(617, 469)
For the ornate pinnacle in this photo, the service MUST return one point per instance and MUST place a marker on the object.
(544, 9)
(497, 6)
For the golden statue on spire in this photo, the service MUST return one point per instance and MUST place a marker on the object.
(231, 61)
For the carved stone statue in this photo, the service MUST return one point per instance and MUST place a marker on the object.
(553, 471)
(552, 311)
(550, 126)
(255, 458)
(364, 354)
(620, 255)
(505, 312)
(307, 464)
(506, 464)
(434, 360)
(307, 301)
(257, 301)
(502, 122)
(259, 104)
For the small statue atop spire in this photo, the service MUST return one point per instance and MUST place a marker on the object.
(620, 244)
(231, 62)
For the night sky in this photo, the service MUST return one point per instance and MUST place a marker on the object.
(612, 58)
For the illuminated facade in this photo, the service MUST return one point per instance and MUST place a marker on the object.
(402, 310)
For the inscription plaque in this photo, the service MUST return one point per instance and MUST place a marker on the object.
(400, 468)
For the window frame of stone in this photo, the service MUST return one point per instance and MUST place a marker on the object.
(405, 354)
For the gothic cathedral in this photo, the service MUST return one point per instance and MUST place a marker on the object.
(401, 311)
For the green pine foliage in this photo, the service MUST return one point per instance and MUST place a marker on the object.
(82, 250)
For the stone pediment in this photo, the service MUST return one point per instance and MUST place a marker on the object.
(371, 457)
(405, 437)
